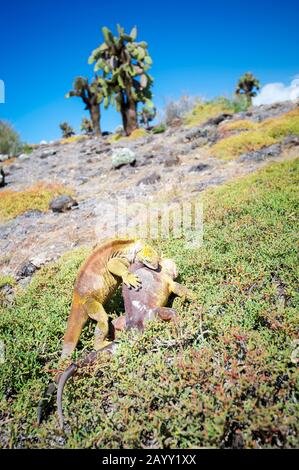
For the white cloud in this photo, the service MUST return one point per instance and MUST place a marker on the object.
(274, 92)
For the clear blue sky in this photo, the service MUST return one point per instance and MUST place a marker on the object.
(198, 47)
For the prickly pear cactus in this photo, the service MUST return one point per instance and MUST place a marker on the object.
(121, 65)
(122, 156)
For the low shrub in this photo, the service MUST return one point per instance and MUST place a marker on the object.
(159, 129)
(240, 125)
(6, 280)
(137, 134)
(10, 142)
(14, 203)
(74, 138)
(268, 132)
(205, 110)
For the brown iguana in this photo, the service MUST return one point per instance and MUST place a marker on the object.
(140, 306)
(97, 280)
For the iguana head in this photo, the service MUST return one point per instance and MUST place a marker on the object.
(169, 267)
(146, 255)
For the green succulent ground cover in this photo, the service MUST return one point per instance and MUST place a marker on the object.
(225, 376)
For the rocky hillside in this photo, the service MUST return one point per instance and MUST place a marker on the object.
(177, 164)
(226, 374)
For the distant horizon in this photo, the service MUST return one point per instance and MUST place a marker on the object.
(197, 50)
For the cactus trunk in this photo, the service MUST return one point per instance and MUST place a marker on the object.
(129, 112)
(129, 118)
(95, 118)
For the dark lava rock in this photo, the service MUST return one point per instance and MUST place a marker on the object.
(144, 159)
(26, 270)
(262, 154)
(151, 179)
(291, 141)
(102, 150)
(199, 167)
(32, 213)
(202, 135)
(215, 121)
(188, 148)
(62, 203)
(47, 153)
(82, 180)
(195, 134)
(199, 143)
(265, 111)
(211, 182)
(171, 161)
(14, 167)
(6, 294)
(2, 178)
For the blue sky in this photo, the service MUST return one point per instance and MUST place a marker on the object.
(198, 48)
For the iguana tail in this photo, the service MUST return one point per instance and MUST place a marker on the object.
(63, 378)
(70, 371)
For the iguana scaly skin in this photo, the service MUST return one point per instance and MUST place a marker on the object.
(150, 301)
(141, 305)
(97, 280)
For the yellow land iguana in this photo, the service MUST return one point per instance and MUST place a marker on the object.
(147, 303)
(96, 282)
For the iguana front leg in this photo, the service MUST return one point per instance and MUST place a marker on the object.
(119, 267)
(181, 291)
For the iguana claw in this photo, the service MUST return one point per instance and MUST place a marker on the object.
(131, 280)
